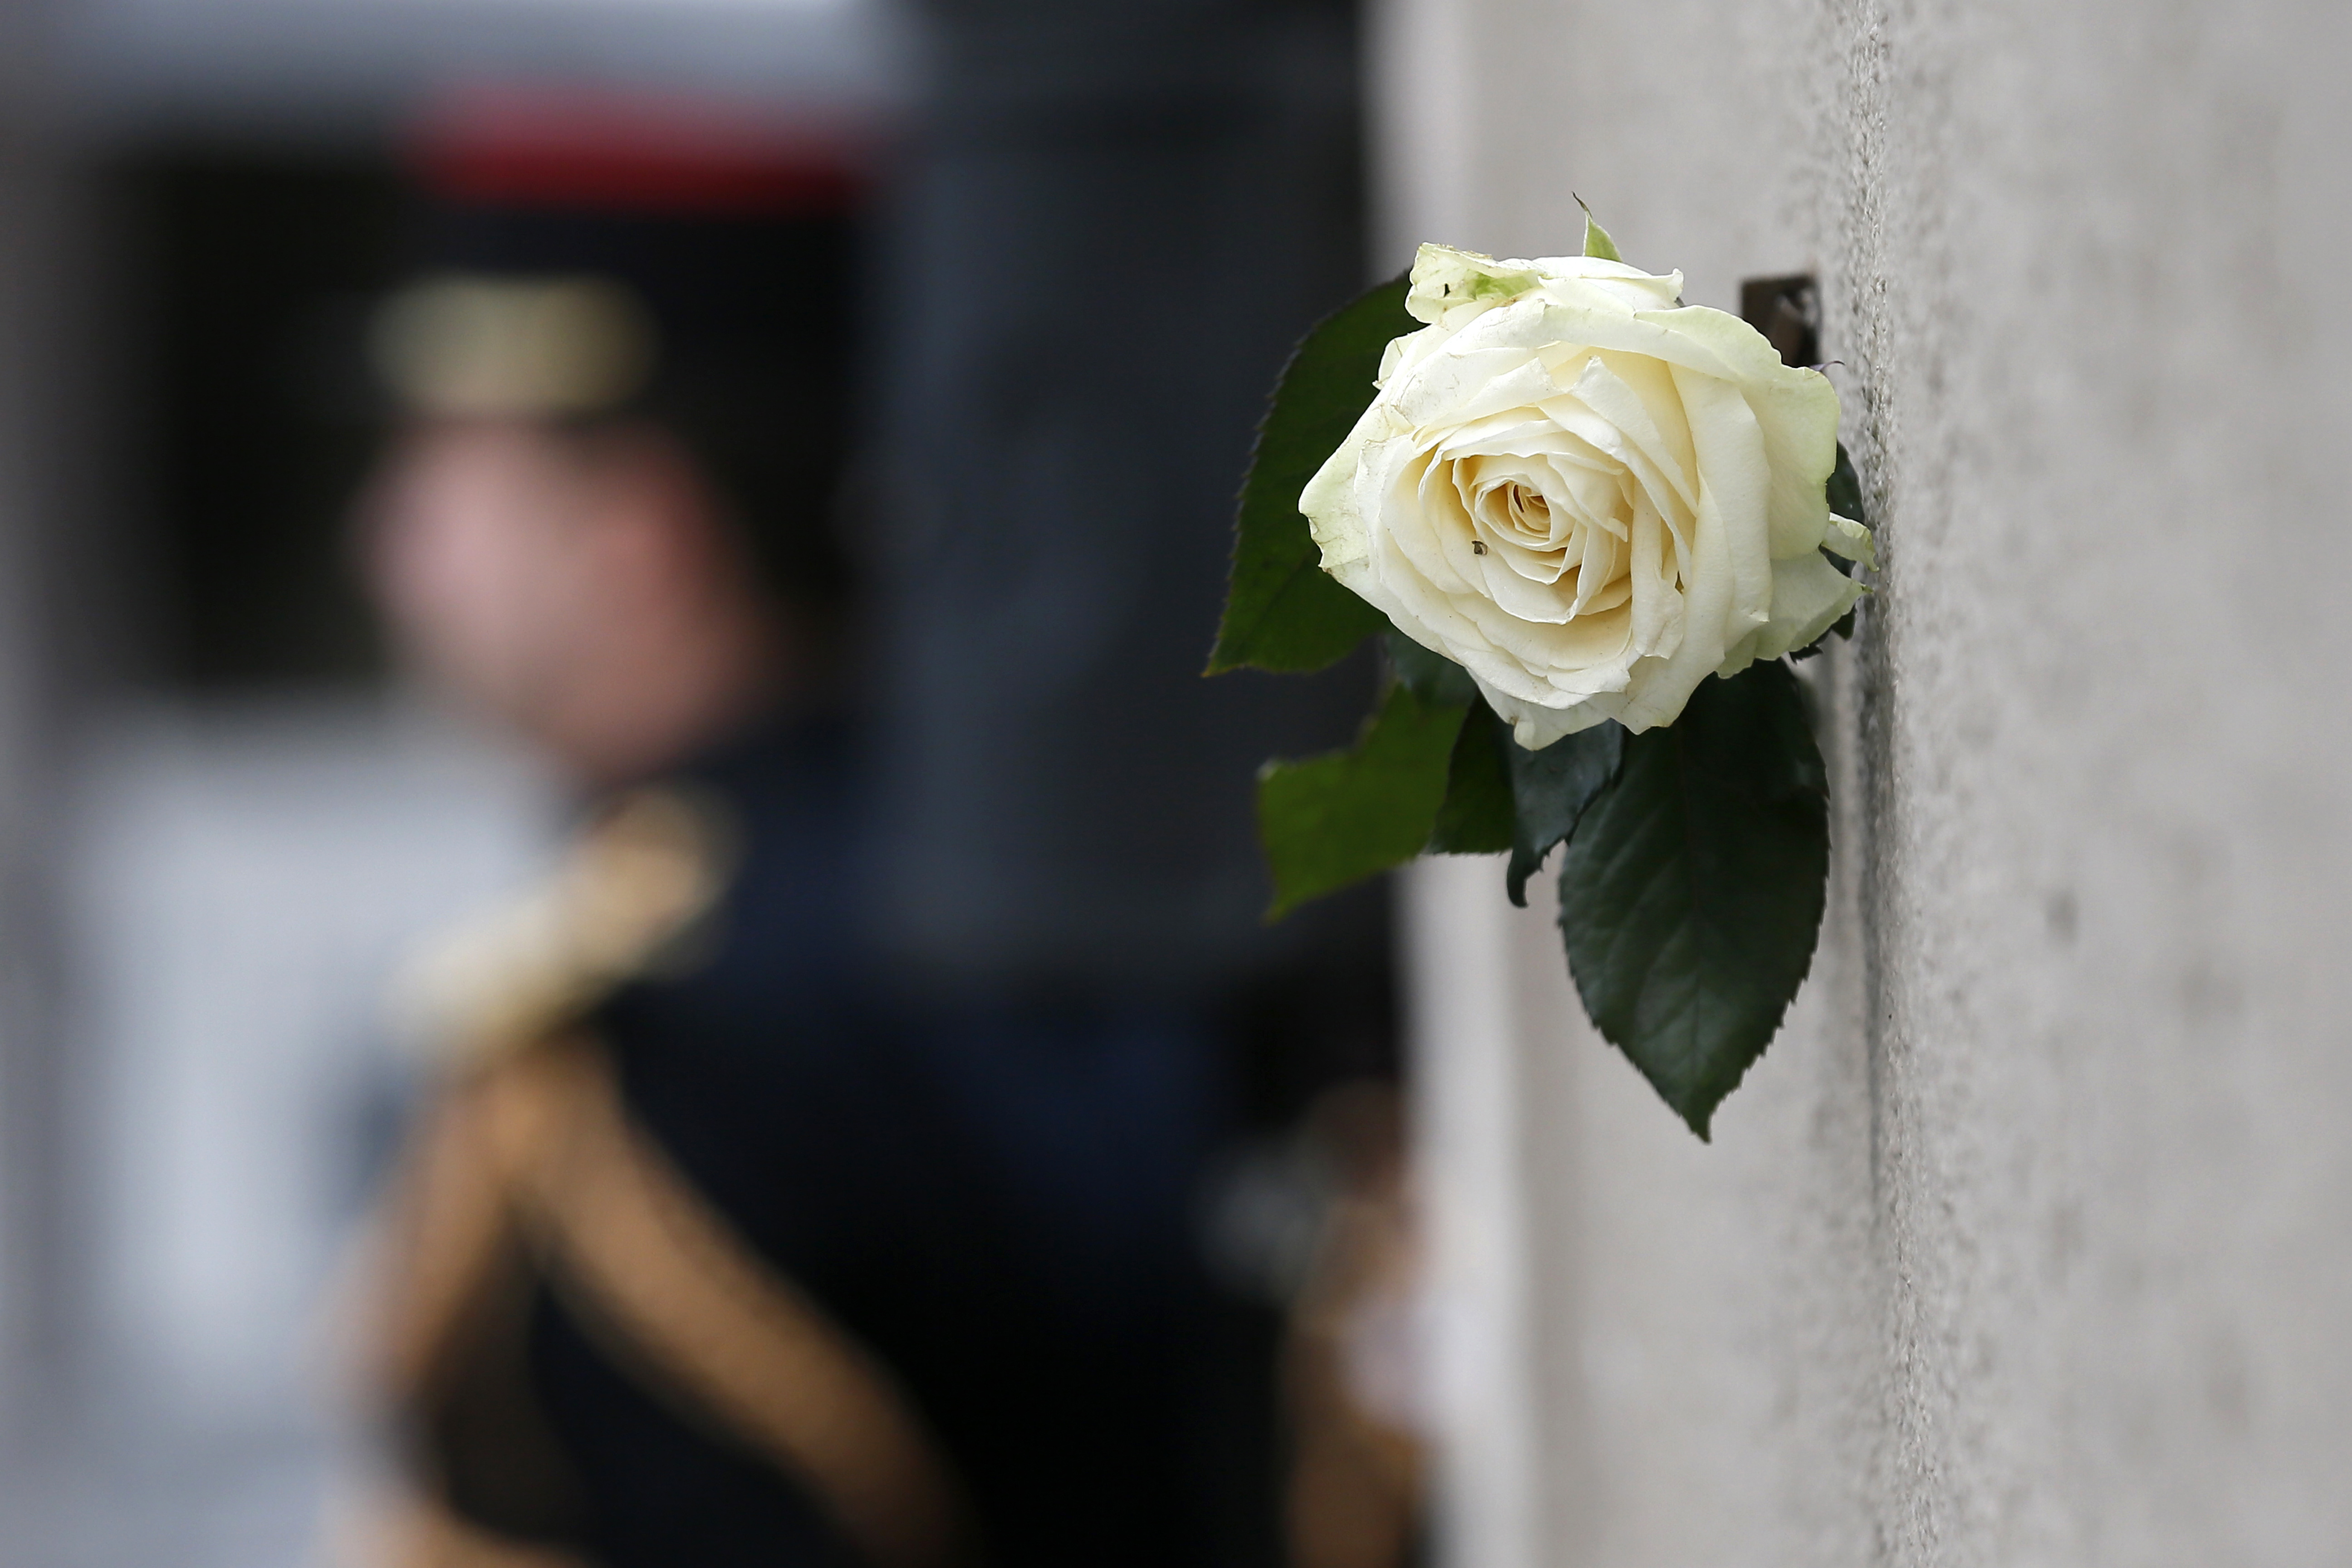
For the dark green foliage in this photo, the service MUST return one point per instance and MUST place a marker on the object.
(1282, 611)
(1552, 789)
(1477, 816)
(1690, 893)
(1430, 674)
(1846, 488)
(1336, 819)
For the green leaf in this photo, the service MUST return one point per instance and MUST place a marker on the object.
(1281, 611)
(1596, 238)
(1552, 789)
(1477, 817)
(1845, 489)
(1336, 819)
(1690, 893)
(1432, 676)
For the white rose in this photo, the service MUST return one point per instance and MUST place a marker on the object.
(1587, 494)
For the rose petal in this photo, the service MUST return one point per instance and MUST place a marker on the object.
(1808, 597)
(1727, 586)
(1588, 496)
(1852, 539)
(1797, 410)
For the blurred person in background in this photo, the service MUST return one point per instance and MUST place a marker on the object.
(1114, 222)
(716, 1246)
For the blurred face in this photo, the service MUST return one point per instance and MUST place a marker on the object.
(572, 586)
(478, 557)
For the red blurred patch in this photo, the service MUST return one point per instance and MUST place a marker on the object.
(603, 150)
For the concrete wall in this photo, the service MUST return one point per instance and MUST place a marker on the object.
(37, 382)
(2030, 1240)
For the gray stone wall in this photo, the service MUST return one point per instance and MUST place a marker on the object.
(2030, 1242)
(34, 203)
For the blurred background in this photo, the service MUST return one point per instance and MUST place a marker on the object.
(226, 814)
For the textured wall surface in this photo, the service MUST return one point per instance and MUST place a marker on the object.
(36, 471)
(2030, 1242)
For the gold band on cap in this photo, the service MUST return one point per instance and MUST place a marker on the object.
(474, 345)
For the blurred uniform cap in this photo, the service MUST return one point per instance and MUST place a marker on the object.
(588, 253)
(474, 345)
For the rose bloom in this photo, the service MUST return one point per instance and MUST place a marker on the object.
(1586, 493)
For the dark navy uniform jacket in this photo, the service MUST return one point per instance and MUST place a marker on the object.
(996, 1202)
